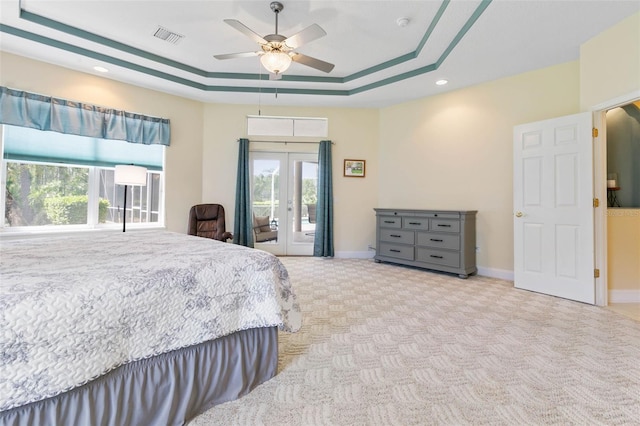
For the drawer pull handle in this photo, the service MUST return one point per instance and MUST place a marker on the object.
(444, 225)
(436, 240)
(437, 257)
(415, 223)
(395, 236)
(394, 251)
(389, 221)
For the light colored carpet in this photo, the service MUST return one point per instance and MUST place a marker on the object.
(390, 345)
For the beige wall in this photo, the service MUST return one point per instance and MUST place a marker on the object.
(183, 172)
(454, 151)
(610, 63)
(355, 134)
(623, 250)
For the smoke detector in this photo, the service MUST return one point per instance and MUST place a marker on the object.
(402, 22)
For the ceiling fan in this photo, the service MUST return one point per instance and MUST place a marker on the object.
(277, 51)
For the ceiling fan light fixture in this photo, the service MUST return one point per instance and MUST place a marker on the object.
(278, 51)
(276, 62)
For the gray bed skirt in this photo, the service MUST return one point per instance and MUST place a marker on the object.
(169, 389)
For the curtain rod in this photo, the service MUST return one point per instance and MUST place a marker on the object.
(285, 142)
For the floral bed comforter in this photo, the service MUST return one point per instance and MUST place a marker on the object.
(72, 308)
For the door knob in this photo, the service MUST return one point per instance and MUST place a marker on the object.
(519, 214)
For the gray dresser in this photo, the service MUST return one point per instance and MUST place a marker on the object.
(441, 240)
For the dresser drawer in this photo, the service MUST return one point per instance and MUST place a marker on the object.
(400, 252)
(445, 241)
(438, 257)
(390, 222)
(419, 223)
(391, 235)
(445, 225)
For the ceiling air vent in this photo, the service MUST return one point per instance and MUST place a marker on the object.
(168, 35)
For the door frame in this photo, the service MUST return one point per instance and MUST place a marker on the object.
(599, 112)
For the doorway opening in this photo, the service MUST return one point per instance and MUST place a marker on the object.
(610, 255)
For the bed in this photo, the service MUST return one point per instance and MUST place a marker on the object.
(137, 328)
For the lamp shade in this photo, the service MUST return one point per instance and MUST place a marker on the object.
(130, 175)
(276, 62)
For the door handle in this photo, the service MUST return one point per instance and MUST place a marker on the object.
(519, 214)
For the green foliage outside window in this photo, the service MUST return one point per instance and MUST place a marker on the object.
(262, 187)
(39, 194)
(72, 209)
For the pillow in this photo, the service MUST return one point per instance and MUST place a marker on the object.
(262, 223)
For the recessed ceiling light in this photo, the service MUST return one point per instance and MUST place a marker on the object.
(101, 69)
(442, 82)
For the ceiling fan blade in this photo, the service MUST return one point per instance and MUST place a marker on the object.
(312, 32)
(236, 55)
(245, 30)
(312, 62)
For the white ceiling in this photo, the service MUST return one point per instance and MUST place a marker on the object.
(466, 42)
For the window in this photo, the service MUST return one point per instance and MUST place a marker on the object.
(260, 125)
(56, 181)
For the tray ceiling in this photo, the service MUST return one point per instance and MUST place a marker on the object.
(377, 61)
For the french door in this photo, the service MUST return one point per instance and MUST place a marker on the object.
(284, 194)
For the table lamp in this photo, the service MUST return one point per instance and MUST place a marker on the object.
(129, 175)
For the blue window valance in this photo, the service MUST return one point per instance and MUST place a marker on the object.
(19, 108)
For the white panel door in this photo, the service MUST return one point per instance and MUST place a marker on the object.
(553, 207)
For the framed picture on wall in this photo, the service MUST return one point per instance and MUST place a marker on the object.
(354, 168)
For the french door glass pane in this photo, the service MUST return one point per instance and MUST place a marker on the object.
(266, 190)
(305, 184)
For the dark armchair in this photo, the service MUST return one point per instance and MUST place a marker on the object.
(207, 220)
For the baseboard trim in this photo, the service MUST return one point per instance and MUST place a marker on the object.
(624, 296)
(355, 254)
(502, 274)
